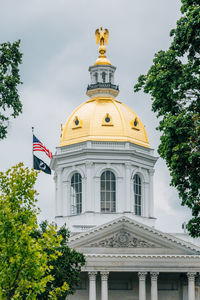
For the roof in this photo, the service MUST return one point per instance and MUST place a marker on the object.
(151, 240)
(104, 119)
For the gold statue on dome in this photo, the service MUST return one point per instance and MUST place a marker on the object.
(102, 36)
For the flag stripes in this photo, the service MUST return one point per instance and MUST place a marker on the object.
(38, 146)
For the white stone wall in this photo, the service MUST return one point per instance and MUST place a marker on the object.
(91, 160)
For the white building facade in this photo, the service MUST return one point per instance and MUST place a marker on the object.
(104, 169)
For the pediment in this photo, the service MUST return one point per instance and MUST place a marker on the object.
(124, 235)
(122, 239)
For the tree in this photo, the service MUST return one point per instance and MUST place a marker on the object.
(10, 104)
(24, 261)
(173, 81)
(66, 268)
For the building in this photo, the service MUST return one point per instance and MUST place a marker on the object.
(104, 169)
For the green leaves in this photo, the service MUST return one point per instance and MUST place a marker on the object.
(25, 268)
(66, 268)
(187, 33)
(10, 104)
(173, 81)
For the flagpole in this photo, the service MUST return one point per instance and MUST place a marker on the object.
(32, 145)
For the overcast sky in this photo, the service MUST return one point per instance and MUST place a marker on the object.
(58, 45)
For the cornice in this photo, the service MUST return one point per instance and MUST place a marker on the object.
(142, 256)
(74, 152)
(109, 145)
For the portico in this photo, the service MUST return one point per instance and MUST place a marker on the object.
(127, 285)
(148, 265)
(139, 289)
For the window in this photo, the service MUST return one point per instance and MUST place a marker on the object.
(76, 194)
(108, 192)
(96, 77)
(137, 194)
(104, 77)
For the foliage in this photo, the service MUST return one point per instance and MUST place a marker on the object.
(24, 265)
(173, 81)
(10, 104)
(66, 268)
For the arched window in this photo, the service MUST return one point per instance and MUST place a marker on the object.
(104, 77)
(108, 192)
(137, 194)
(110, 77)
(76, 194)
(96, 77)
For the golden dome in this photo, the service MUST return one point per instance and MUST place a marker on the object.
(104, 119)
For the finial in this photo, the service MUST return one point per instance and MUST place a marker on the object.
(102, 38)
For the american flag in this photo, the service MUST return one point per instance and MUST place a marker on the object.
(38, 146)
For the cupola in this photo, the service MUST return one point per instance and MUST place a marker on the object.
(103, 117)
(102, 72)
(104, 164)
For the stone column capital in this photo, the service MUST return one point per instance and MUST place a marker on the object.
(66, 180)
(154, 275)
(142, 275)
(128, 165)
(191, 285)
(92, 285)
(191, 275)
(104, 285)
(84, 178)
(151, 172)
(92, 275)
(154, 285)
(104, 275)
(142, 285)
(89, 163)
(59, 172)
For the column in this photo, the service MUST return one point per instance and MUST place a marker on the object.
(65, 194)
(128, 202)
(89, 205)
(191, 285)
(142, 285)
(151, 196)
(146, 203)
(59, 197)
(154, 285)
(92, 285)
(104, 285)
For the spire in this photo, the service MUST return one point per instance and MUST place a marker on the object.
(102, 72)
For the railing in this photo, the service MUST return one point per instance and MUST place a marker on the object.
(104, 85)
